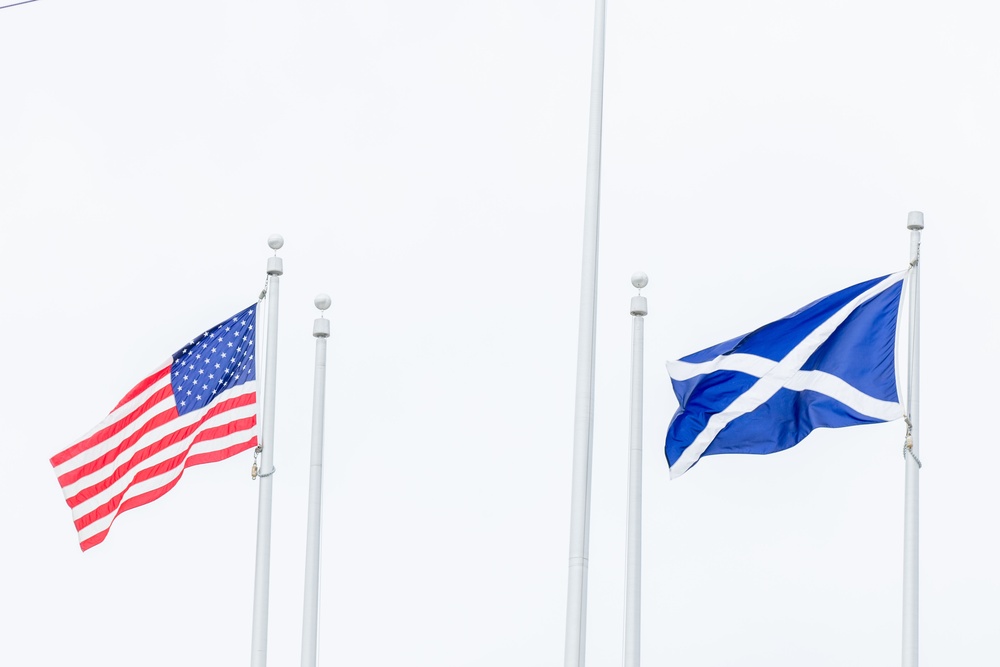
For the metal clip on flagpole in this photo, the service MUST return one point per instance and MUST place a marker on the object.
(583, 422)
(310, 599)
(633, 559)
(911, 512)
(262, 574)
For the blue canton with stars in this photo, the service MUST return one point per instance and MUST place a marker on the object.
(218, 359)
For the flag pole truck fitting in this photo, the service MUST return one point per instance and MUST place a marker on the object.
(633, 558)
(261, 584)
(310, 598)
(583, 423)
(911, 454)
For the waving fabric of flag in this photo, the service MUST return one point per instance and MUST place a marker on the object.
(197, 407)
(829, 364)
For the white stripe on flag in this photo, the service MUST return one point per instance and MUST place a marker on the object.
(146, 439)
(167, 453)
(164, 479)
(818, 381)
(102, 447)
(852, 397)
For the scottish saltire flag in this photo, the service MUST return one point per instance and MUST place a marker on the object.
(197, 407)
(829, 364)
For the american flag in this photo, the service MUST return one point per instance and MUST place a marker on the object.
(197, 407)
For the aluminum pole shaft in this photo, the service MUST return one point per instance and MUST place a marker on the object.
(262, 574)
(583, 425)
(911, 512)
(310, 598)
(633, 557)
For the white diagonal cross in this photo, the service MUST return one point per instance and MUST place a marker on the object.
(787, 373)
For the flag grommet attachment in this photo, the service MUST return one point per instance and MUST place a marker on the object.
(254, 469)
(908, 444)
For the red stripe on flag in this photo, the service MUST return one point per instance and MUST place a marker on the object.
(110, 430)
(94, 539)
(143, 386)
(110, 456)
(220, 454)
(161, 468)
(146, 452)
(153, 494)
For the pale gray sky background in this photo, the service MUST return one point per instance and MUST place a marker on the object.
(425, 163)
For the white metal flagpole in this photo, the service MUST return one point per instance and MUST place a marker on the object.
(583, 424)
(911, 453)
(633, 559)
(262, 573)
(310, 599)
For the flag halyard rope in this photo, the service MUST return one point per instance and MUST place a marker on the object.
(259, 449)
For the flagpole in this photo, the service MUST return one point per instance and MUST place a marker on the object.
(911, 512)
(583, 426)
(261, 584)
(633, 559)
(310, 599)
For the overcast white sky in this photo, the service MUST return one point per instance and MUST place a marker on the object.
(425, 163)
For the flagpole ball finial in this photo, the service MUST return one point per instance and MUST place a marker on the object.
(275, 241)
(322, 301)
(639, 280)
(915, 220)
